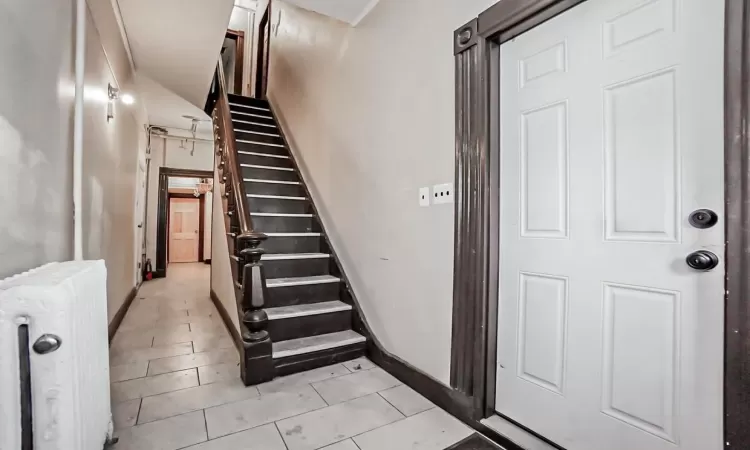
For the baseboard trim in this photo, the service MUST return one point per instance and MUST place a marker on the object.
(120, 315)
(226, 318)
(456, 403)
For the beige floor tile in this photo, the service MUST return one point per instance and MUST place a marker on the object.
(266, 437)
(117, 358)
(128, 371)
(431, 430)
(126, 413)
(168, 434)
(247, 414)
(359, 364)
(298, 379)
(406, 400)
(205, 343)
(329, 425)
(161, 339)
(358, 384)
(343, 445)
(218, 372)
(159, 384)
(193, 399)
(131, 340)
(182, 362)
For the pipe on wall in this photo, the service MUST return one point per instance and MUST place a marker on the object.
(80, 71)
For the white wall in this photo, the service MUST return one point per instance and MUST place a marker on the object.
(370, 113)
(222, 283)
(167, 153)
(37, 91)
(111, 150)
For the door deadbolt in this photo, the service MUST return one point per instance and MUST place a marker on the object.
(703, 218)
(702, 260)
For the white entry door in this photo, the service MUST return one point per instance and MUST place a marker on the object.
(611, 133)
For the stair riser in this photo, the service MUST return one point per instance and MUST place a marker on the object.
(257, 148)
(309, 361)
(298, 327)
(268, 161)
(257, 137)
(302, 295)
(247, 109)
(257, 118)
(293, 190)
(248, 101)
(269, 174)
(273, 205)
(284, 224)
(296, 267)
(253, 126)
(300, 244)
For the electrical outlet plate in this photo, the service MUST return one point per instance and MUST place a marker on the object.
(424, 196)
(442, 193)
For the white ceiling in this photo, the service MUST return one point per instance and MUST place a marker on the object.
(350, 11)
(175, 46)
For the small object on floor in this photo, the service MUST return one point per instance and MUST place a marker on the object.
(148, 273)
(475, 442)
(358, 367)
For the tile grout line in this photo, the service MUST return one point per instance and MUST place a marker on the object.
(321, 397)
(386, 400)
(280, 435)
(138, 416)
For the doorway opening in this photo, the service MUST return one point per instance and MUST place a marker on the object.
(261, 65)
(184, 218)
(232, 58)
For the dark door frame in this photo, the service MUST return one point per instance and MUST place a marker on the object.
(201, 219)
(262, 57)
(162, 213)
(476, 239)
(239, 56)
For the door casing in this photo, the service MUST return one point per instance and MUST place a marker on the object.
(162, 213)
(476, 235)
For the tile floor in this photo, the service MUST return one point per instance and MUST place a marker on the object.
(175, 384)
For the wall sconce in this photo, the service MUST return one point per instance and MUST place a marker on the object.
(113, 93)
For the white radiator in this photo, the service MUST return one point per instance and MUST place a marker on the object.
(61, 402)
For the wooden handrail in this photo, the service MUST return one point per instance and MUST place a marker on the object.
(233, 170)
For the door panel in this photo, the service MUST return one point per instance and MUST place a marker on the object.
(611, 134)
(184, 228)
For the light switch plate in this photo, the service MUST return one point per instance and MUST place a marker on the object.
(424, 196)
(442, 193)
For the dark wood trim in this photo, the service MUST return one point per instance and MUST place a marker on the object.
(201, 219)
(227, 320)
(454, 402)
(262, 59)
(472, 209)
(239, 64)
(477, 145)
(737, 191)
(162, 215)
(120, 314)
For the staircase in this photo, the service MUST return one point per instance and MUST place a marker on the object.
(294, 293)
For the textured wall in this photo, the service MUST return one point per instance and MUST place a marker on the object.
(110, 161)
(370, 111)
(37, 91)
(221, 273)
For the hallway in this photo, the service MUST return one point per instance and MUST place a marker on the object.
(175, 384)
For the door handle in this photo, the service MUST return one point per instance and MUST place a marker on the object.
(702, 260)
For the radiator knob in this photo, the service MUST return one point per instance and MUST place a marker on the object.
(47, 343)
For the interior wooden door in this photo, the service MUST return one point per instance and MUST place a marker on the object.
(184, 230)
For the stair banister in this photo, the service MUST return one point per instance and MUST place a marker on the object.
(257, 356)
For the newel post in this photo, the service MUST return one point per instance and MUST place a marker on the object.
(257, 353)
